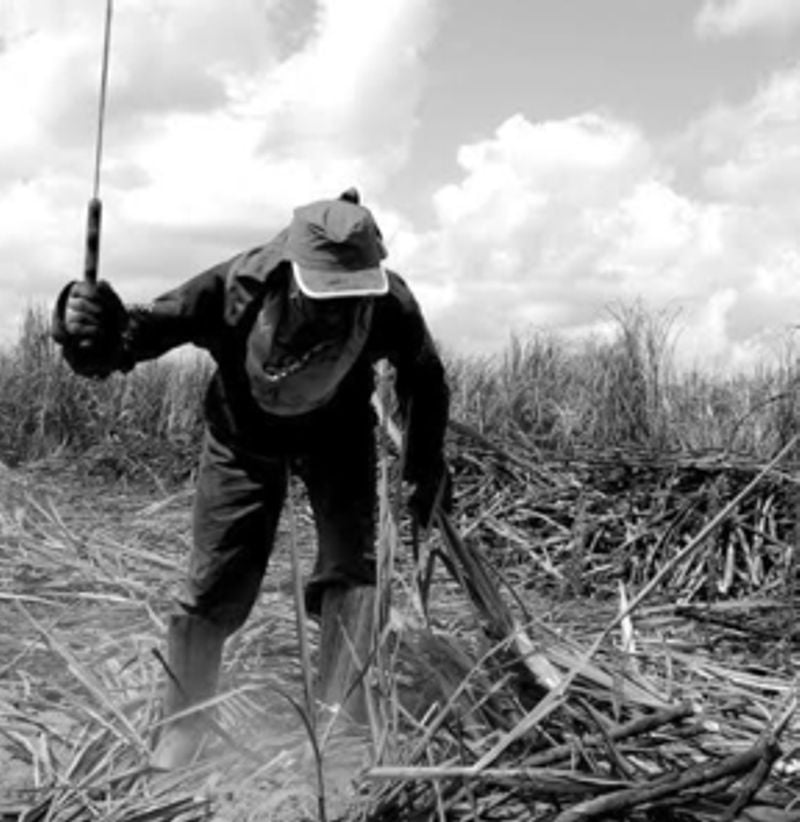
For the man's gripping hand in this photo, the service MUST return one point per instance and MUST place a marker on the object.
(88, 322)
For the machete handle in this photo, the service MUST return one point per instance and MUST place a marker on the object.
(92, 258)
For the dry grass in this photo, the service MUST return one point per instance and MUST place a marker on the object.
(560, 397)
(144, 425)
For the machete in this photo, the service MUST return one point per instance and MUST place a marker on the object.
(95, 209)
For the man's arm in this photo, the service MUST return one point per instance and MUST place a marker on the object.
(115, 337)
(191, 313)
(421, 386)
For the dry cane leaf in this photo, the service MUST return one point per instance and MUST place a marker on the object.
(628, 644)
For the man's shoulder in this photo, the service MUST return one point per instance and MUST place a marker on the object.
(398, 322)
(399, 295)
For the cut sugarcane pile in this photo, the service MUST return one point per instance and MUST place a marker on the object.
(591, 521)
(652, 726)
(675, 700)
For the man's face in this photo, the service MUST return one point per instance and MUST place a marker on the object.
(331, 315)
(328, 307)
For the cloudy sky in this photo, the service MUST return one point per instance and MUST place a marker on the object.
(531, 163)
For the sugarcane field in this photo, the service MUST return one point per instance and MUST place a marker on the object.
(602, 627)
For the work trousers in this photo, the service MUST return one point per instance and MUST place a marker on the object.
(238, 502)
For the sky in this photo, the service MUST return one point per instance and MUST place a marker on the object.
(533, 165)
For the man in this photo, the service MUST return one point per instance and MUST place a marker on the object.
(295, 327)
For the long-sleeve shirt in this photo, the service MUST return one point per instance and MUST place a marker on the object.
(216, 310)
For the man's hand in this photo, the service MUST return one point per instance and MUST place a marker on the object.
(88, 322)
(435, 487)
(92, 312)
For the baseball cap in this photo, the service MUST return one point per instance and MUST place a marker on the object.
(336, 250)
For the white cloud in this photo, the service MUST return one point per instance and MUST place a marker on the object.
(533, 231)
(552, 221)
(727, 18)
(752, 148)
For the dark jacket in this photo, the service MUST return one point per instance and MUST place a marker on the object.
(216, 310)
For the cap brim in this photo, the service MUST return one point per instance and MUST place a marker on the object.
(328, 285)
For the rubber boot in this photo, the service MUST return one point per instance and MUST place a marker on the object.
(345, 649)
(194, 655)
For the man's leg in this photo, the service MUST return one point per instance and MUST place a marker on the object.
(340, 477)
(236, 511)
(194, 654)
